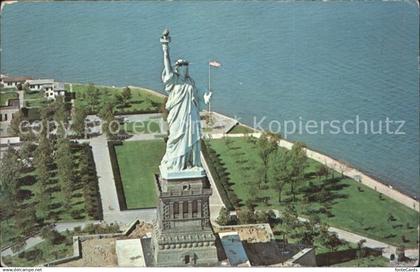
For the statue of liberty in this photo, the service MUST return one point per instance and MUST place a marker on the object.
(182, 157)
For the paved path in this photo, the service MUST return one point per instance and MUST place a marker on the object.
(145, 137)
(108, 191)
(387, 250)
(221, 124)
(60, 227)
(21, 99)
(215, 200)
(141, 117)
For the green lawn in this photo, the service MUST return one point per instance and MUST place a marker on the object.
(35, 99)
(370, 261)
(142, 127)
(361, 212)
(6, 95)
(240, 129)
(141, 100)
(138, 162)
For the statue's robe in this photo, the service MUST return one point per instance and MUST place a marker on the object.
(184, 103)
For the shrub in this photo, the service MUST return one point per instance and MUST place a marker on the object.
(223, 217)
(246, 216)
(261, 217)
(32, 255)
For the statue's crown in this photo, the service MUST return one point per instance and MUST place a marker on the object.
(181, 62)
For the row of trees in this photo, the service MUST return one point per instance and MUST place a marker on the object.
(26, 222)
(218, 171)
(87, 177)
(49, 152)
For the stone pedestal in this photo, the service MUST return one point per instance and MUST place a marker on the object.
(182, 234)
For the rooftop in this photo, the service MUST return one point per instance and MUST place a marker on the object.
(14, 79)
(234, 250)
(40, 81)
(11, 104)
(130, 253)
(58, 86)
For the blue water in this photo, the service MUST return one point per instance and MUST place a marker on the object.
(314, 60)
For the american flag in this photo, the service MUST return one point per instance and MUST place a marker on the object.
(215, 63)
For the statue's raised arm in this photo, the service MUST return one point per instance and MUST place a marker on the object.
(165, 40)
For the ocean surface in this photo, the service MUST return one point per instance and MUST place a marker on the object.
(282, 61)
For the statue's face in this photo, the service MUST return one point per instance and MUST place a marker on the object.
(182, 70)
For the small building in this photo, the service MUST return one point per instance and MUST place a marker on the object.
(57, 90)
(13, 82)
(130, 253)
(6, 112)
(6, 142)
(41, 84)
(234, 250)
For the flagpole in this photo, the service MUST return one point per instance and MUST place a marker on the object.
(209, 121)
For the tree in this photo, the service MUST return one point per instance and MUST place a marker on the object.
(42, 162)
(92, 97)
(26, 88)
(291, 221)
(79, 120)
(61, 115)
(10, 169)
(51, 235)
(15, 123)
(44, 150)
(327, 239)
(266, 145)
(333, 242)
(109, 126)
(126, 95)
(251, 200)
(25, 220)
(280, 171)
(360, 249)
(309, 233)
(297, 163)
(223, 217)
(261, 217)
(19, 244)
(322, 171)
(246, 216)
(26, 150)
(64, 160)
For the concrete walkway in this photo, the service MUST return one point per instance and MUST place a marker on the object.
(108, 191)
(141, 117)
(221, 124)
(215, 200)
(21, 99)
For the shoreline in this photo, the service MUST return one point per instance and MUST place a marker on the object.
(3, 4)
